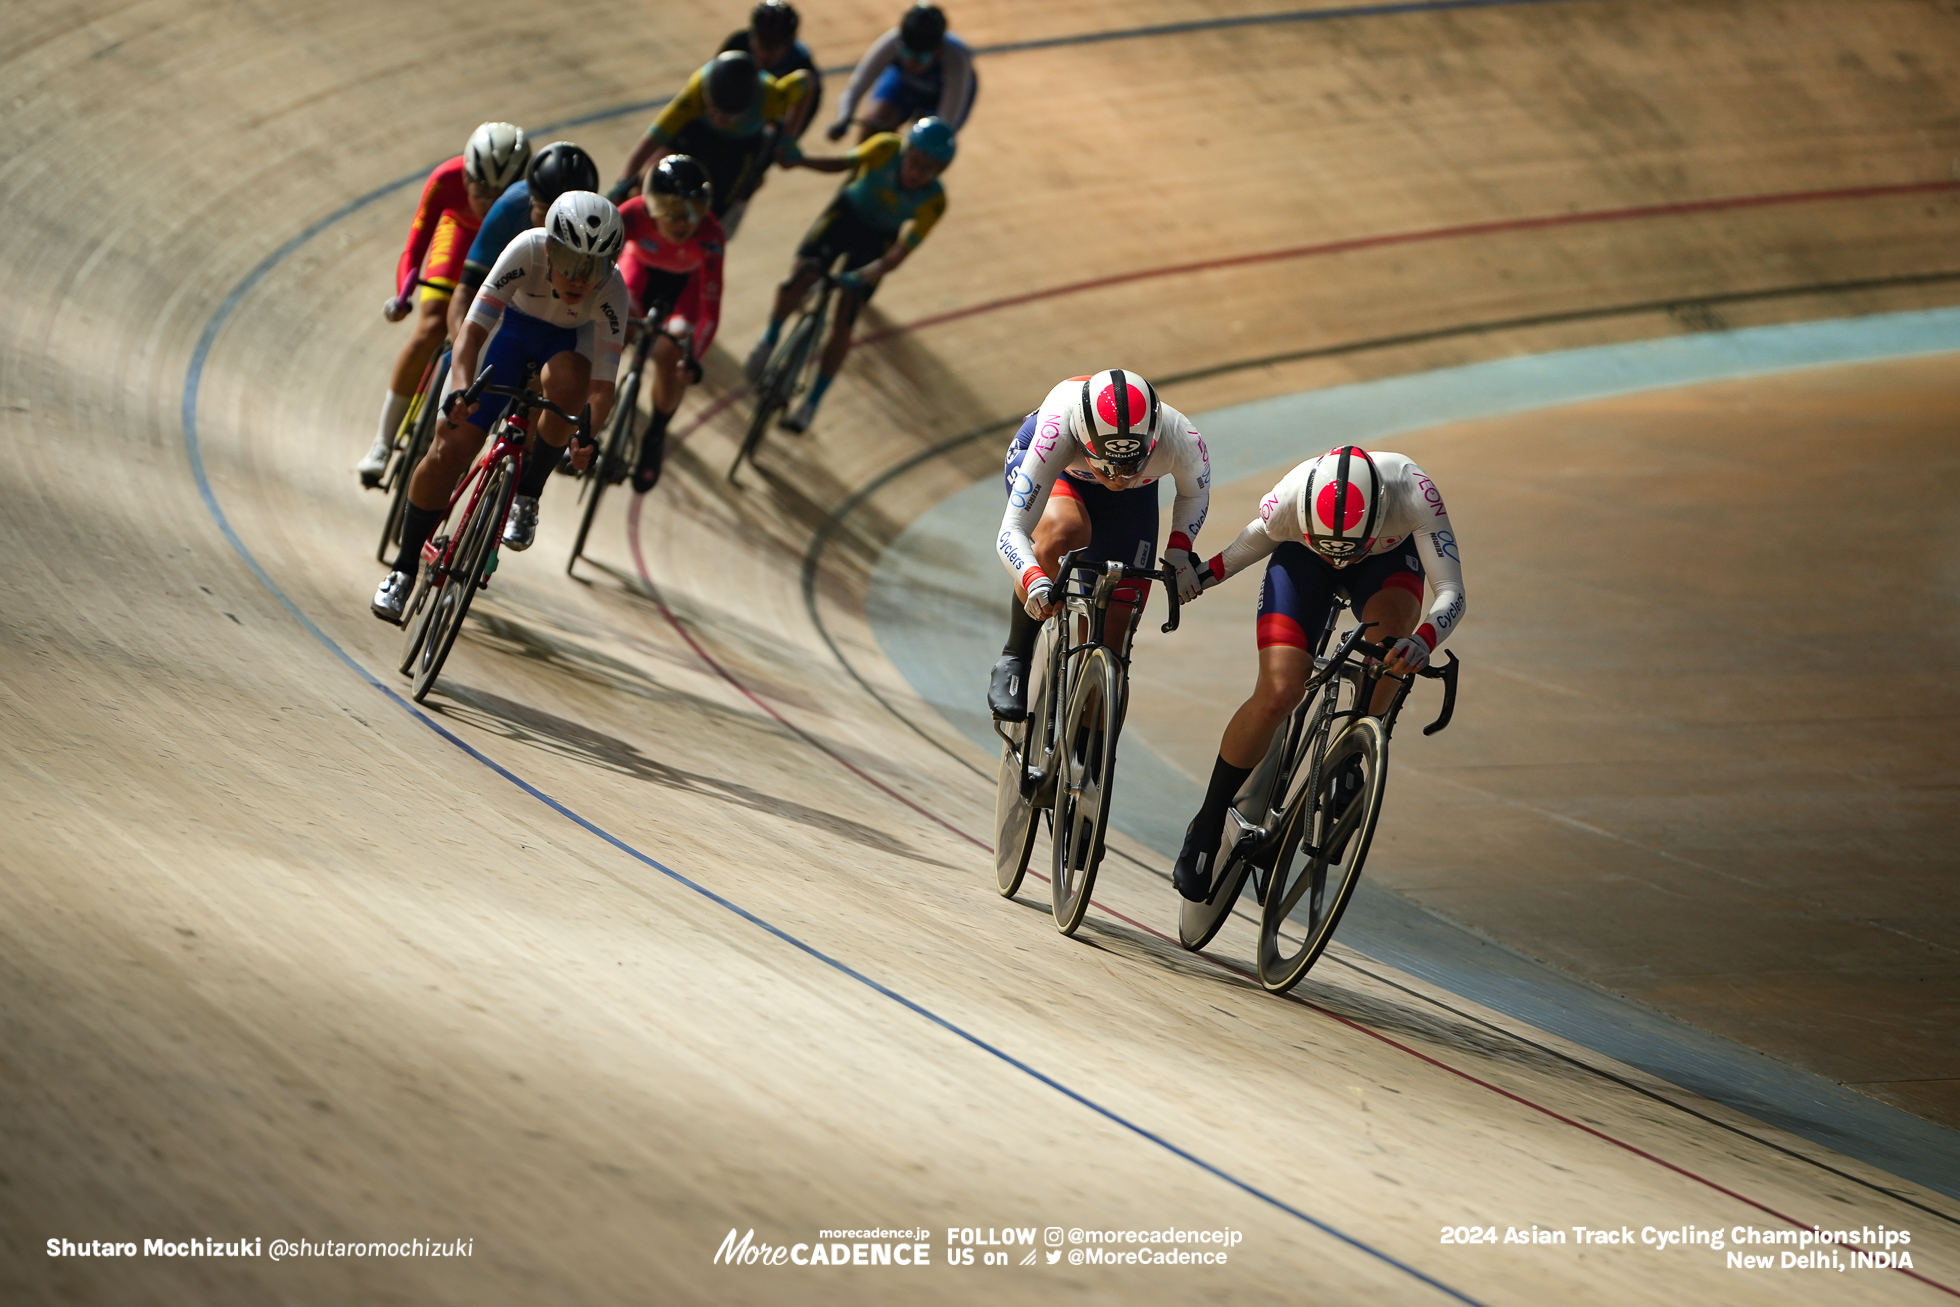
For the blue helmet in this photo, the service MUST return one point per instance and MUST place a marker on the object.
(933, 138)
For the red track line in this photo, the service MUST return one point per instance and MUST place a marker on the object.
(1586, 218)
(640, 565)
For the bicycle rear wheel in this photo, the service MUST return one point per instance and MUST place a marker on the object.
(1017, 797)
(476, 539)
(1250, 839)
(778, 384)
(1085, 766)
(397, 477)
(606, 468)
(1320, 855)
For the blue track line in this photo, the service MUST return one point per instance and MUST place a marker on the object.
(228, 308)
(193, 449)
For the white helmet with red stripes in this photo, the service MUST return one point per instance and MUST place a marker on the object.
(1115, 421)
(1340, 505)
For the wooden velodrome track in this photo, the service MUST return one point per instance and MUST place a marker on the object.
(657, 925)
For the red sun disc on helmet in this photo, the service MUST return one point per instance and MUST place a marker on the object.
(1136, 406)
(1357, 505)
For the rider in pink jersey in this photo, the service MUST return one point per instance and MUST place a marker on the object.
(1367, 528)
(674, 250)
(1083, 472)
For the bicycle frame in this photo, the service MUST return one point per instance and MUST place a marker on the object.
(1087, 595)
(510, 437)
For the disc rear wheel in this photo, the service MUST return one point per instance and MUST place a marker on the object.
(1017, 800)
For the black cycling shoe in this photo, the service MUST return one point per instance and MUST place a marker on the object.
(1007, 692)
(1192, 874)
(646, 478)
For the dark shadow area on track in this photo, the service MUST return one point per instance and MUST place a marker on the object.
(535, 728)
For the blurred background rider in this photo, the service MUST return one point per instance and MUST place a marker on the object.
(916, 70)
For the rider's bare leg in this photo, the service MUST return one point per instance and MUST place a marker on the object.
(669, 386)
(791, 292)
(1283, 672)
(878, 116)
(1394, 613)
(431, 328)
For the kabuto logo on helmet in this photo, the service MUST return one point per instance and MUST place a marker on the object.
(1122, 448)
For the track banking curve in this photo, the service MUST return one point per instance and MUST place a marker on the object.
(227, 308)
(792, 931)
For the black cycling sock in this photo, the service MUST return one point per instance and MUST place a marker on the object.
(1022, 632)
(1225, 782)
(538, 468)
(417, 526)
(653, 442)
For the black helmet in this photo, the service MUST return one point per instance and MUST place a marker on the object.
(731, 81)
(774, 21)
(680, 176)
(922, 28)
(560, 167)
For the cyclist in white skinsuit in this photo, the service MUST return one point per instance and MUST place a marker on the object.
(1368, 527)
(553, 299)
(1083, 472)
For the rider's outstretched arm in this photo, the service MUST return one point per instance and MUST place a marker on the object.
(880, 56)
(1048, 453)
(1436, 546)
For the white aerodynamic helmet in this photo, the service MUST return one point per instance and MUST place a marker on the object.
(496, 155)
(1340, 505)
(1115, 420)
(583, 234)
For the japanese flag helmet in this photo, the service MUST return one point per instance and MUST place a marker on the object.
(1340, 505)
(1115, 421)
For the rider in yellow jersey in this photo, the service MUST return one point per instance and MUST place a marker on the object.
(728, 118)
(883, 213)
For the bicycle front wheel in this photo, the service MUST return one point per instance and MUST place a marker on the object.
(1017, 800)
(1320, 855)
(476, 540)
(610, 462)
(1085, 766)
(772, 393)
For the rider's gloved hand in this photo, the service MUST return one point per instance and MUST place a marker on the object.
(1192, 573)
(396, 308)
(852, 280)
(453, 401)
(789, 153)
(1041, 597)
(836, 130)
(1412, 650)
(623, 190)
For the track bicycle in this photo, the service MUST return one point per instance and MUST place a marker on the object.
(1062, 758)
(1300, 827)
(412, 440)
(457, 563)
(619, 450)
(790, 368)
